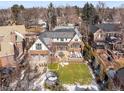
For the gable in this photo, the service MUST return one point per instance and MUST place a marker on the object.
(99, 35)
(76, 38)
(38, 41)
(99, 32)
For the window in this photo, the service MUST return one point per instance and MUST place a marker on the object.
(38, 46)
(62, 39)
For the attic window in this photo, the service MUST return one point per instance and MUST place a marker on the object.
(38, 46)
(62, 39)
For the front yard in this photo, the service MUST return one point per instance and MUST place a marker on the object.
(72, 73)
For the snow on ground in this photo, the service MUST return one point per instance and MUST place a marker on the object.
(64, 63)
(79, 87)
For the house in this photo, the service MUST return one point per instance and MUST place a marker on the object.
(12, 43)
(60, 39)
(109, 33)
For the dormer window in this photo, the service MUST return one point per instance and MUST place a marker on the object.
(38, 46)
(62, 39)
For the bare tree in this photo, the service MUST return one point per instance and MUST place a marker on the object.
(101, 9)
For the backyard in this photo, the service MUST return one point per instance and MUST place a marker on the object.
(72, 73)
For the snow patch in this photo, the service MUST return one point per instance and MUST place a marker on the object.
(64, 63)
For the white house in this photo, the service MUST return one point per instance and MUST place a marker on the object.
(62, 38)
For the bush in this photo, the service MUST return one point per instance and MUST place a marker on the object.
(61, 54)
(87, 52)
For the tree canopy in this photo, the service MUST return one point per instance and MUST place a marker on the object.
(88, 13)
(52, 16)
(16, 9)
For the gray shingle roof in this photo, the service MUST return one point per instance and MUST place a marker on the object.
(59, 33)
(93, 28)
(105, 27)
(120, 75)
(46, 36)
(108, 27)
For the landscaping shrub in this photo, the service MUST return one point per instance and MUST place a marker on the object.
(61, 54)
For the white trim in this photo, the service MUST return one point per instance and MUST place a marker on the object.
(44, 47)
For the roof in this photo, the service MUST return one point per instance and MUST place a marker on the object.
(5, 33)
(7, 62)
(107, 27)
(46, 36)
(93, 28)
(8, 29)
(120, 75)
(59, 33)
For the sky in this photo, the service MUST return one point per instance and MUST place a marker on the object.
(29, 4)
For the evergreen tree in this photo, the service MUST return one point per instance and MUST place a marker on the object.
(16, 10)
(88, 13)
(51, 16)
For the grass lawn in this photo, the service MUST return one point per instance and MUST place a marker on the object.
(72, 73)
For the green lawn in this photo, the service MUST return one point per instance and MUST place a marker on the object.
(72, 73)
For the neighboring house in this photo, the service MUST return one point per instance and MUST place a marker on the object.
(104, 33)
(36, 25)
(60, 39)
(12, 43)
(42, 23)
